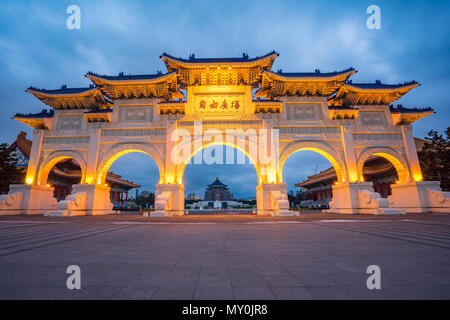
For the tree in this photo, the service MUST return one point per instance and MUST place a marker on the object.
(146, 199)
(295, 198)
(435, 158)
(9, 173)
(291, 198)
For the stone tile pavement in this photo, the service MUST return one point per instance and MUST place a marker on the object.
(225, 258)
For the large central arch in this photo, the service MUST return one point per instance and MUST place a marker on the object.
(182, 167)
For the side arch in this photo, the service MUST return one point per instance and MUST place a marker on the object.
(53, 158)
(397, 160)
(320, 147)
(108, 158)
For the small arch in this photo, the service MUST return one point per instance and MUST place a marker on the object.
(322, 148)
(397, 160)
(53, 158)
(119, 150)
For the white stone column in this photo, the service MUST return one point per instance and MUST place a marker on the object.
(35, 156)
(419, 197)
(169, 200)
(169, 195)
(85, 199)
(272, 200)
(92, 157)
(27, 199)
(350, 155)
(411, 153)
(359, 197)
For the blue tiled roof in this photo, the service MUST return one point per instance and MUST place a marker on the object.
(378, 85)
(43, 114)
(99, 111)
(193, 59)
(317, 73)
(217, 183)
(341, 108)
(173, 102)
(63, 90)
(266, 100)
(401, 109)
(122, 76)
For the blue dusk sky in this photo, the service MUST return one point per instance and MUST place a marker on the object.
(37, 49)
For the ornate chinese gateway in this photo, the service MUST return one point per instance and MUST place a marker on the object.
(324, 112)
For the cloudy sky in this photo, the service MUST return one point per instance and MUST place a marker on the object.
(128, 36)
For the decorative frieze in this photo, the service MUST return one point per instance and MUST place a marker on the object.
(303, 111)
(132, 132)
(372, 118)
(377, 136)
(309, 130)
(69, 122)
(136, 113)
(223, 124)
(66, 140)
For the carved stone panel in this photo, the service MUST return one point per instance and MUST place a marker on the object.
(303, 111)
(372, 118)
(134, 132)
(66, 140)
(136, 113)
(69, 122)
(377, 139)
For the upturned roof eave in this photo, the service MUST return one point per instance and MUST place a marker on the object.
(196, 63)
(46, 93)
(103, 79)
(308, 77)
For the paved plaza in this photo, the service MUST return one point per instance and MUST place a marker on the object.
(225, 257)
